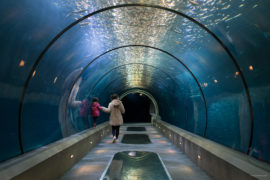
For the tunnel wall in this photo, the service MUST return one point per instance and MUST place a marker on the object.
(51, 100)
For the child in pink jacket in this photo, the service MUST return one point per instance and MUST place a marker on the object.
(95, 107)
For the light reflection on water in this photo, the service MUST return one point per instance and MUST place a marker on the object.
(151, 26)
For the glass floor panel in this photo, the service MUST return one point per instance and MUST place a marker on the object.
(136, 129)
(136, 139)
(139, 165)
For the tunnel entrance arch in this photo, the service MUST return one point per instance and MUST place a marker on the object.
(154, 109)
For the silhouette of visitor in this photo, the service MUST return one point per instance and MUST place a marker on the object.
(84, 112)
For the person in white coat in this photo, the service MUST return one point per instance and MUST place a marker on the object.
(116, 109)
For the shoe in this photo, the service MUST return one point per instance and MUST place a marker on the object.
(114, 139)
(95, 125)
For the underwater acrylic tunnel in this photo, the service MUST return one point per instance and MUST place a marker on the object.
(206, 63)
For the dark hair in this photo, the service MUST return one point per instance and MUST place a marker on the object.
(114, 96)
(94, 99)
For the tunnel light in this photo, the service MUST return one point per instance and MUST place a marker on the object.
(71, 156)
(91, 142)
(251, 68)
(180, 140)
(205, 84)
(34, 73)
(21, 63)
(199, 156)
(236, 74)
(216, 81)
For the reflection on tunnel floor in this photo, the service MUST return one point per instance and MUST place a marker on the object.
(136, 165)
(93, 165)
(136, 129)
(136, 139)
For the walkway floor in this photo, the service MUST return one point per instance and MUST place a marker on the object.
(94, 164)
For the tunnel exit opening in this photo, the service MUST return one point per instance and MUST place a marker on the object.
(137, 107)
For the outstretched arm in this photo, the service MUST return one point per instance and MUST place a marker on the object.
(106, 110)
(99, 107)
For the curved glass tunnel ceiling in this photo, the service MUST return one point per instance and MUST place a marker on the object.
(141, 63)
(143, 47)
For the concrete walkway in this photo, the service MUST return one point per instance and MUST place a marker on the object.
(94, 164)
